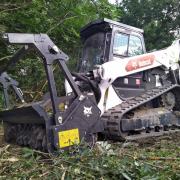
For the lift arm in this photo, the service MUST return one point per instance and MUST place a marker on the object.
(167, 57)
(50, 53)
(110, 71)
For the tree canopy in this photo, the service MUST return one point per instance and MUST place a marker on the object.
(160, 19)
(63, 19)
(60, 19)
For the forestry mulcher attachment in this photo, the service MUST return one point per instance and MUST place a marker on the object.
(120, 90)
(30, 124)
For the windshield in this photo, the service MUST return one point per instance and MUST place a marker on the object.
(92, 52)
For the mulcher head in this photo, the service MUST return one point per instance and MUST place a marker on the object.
(44, 125)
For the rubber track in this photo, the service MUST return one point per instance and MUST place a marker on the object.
(112, 117)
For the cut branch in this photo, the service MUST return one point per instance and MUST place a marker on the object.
(5, 57)
(65, 18)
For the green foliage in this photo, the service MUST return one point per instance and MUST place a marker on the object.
(159, 19)
(156, 159)
(60, 19)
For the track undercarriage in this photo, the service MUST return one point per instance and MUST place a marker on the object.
(151, 114)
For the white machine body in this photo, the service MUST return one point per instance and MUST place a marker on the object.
(110, 71)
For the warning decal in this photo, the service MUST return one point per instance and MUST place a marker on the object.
(68, 138)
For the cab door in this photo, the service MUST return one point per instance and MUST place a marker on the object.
(128, 45)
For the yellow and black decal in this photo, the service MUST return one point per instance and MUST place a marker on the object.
(68, 138)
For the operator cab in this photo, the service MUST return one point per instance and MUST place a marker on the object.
(106, 40)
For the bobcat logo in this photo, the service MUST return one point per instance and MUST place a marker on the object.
(87, 111)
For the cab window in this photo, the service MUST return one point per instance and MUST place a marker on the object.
(135, 46)
(93, 50)
(127, 45)
(120, 44)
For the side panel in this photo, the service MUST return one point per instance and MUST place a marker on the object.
(110, 71)
(122, 67)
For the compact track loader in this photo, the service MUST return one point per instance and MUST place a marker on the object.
(119, 90)
(137, 92)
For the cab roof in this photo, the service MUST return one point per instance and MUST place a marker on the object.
(104, 25)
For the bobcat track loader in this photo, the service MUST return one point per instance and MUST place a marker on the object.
(137, 92)
(120, 90)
